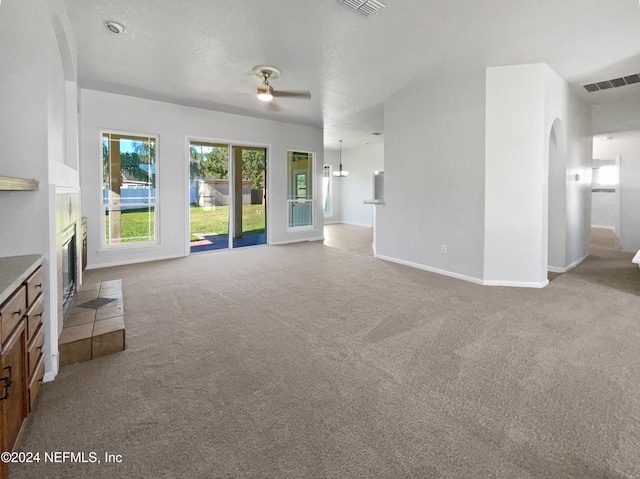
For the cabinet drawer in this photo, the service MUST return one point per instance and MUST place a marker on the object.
(34, 286)
(12, 311)
(34, 384)
(34, 316)
(35, 350)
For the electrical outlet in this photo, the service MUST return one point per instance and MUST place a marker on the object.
(444, 248)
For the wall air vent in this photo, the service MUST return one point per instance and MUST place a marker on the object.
(365, 7)
(614, 83)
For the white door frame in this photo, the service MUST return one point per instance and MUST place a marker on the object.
(230, 145)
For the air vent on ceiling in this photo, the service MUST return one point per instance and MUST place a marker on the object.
(614, 83)
(366, 7)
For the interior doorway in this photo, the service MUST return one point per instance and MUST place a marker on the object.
(605, 194)
(227, 196)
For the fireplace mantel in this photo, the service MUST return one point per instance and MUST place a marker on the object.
(8, 183)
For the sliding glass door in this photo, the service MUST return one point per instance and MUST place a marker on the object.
(209, 196)
(227, 196)
(250, 225)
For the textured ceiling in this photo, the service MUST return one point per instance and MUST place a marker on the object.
(201, 52)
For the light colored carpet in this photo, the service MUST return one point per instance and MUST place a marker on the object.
(305, 361)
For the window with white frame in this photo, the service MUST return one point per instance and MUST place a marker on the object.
(300, 189)
(129, 193)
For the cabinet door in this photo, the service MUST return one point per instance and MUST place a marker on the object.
(13, 406)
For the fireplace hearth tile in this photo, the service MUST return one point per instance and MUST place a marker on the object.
(111, 294)
(76, 333)
(89, 287)
(97, 303)
(110, 325)
(94, 328)
(76, 319)
(107, 343)
(109, 312)
(75, 352)
(85, 296)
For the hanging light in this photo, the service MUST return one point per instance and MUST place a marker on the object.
(342, 173)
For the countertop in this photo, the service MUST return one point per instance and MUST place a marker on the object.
(14, 270)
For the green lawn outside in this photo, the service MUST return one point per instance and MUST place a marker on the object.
(204, 220)
(134, 225)
(216, 220)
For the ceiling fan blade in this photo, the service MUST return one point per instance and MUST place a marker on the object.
(292, 94)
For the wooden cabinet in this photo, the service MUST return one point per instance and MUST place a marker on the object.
(22, 340)
(13, 387)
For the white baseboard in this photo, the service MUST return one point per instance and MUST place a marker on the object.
(443, 272)
(463, 277)
(517, 284)
(134, 261)
(556, 269)
(55, 364)
(317, 238)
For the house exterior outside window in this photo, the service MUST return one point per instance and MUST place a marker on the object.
(300, 190)
(129, 189)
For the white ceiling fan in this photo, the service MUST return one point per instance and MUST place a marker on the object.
(266, 92)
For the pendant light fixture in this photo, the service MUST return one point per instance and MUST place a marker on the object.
(342, 173)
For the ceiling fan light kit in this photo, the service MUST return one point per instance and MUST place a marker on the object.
(265, 92)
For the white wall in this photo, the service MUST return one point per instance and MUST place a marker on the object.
(434, 175)
(627, 145)
(515, 176)
(24, 38)
(174, 124)
(562, 104)
(33, 128)
(360, 162)
(523, 103)
(557, 202)
(616, 114)
(332, 158)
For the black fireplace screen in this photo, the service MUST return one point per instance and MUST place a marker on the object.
(68, 267)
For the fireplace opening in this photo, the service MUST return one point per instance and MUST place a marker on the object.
(69, 268)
